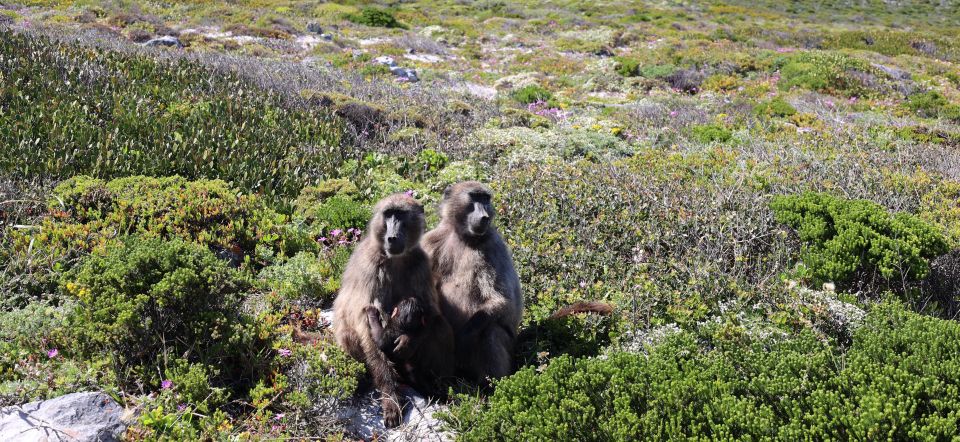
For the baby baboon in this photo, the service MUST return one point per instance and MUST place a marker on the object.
(400, 337)
(387, 266)
(478, 285)
(399, 334)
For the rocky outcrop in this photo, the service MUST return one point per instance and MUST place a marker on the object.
(75, 417)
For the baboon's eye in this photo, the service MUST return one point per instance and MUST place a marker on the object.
(395, 213)
(480, 197)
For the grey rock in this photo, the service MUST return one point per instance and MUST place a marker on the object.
(166, 40)
(314, 27)
(385, 60)
(328, 37)
(405, 74)
(91, 416)
(896, 74)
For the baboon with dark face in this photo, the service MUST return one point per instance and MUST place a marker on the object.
(387, 266)
(478, 285)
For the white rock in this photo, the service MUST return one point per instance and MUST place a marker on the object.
(385, 60)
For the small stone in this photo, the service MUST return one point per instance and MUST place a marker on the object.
(166, 41)
(314, 27)
(328, 37)
(405, 74)
(385, 60)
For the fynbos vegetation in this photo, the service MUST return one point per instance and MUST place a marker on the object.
(766, 194)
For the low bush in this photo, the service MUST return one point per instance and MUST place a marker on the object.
(829, 72)
(307, 276)
(932, 104)
(627, 67)
(858, 243)
(316, 379)
(336, 212)
(657, 71)
(531, 94)
(143, 303)
(777, 107)
(375, 17)
(710, 133)
(721, 83)
(773, 388)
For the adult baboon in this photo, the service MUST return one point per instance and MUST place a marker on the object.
(478, 285)
(388, 265)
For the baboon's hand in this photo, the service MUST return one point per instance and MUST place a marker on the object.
(403, 348)
(391, 412)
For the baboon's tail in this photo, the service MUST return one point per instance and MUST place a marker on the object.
(596, 307)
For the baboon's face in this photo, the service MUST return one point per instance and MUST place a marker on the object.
(398, 224)
(395, 224)
(468, 205)
(479, 213)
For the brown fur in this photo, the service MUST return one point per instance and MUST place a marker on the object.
(478, 284)
(374, 278)
(596, 307)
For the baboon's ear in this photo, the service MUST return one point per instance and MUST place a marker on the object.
(447, 192)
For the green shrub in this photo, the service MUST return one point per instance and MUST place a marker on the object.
(87, 213)
(531, 94)
(429, 161)
(627, 67)
(657, 71)
(927, 104)
(954, 78)
(710, 133)
(777, 107)
(336, 212)
(856, 241)
(932, 104)
(306, 276)
(576, 335)
(896, 381)
(143, 302)
(315, 379)
(35, 361)
(827, 72)
(375, 17)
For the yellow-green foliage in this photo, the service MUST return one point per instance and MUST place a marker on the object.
(206, 211)
(135, 296)
(776, 388)
(828, 72)
(846, 241)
